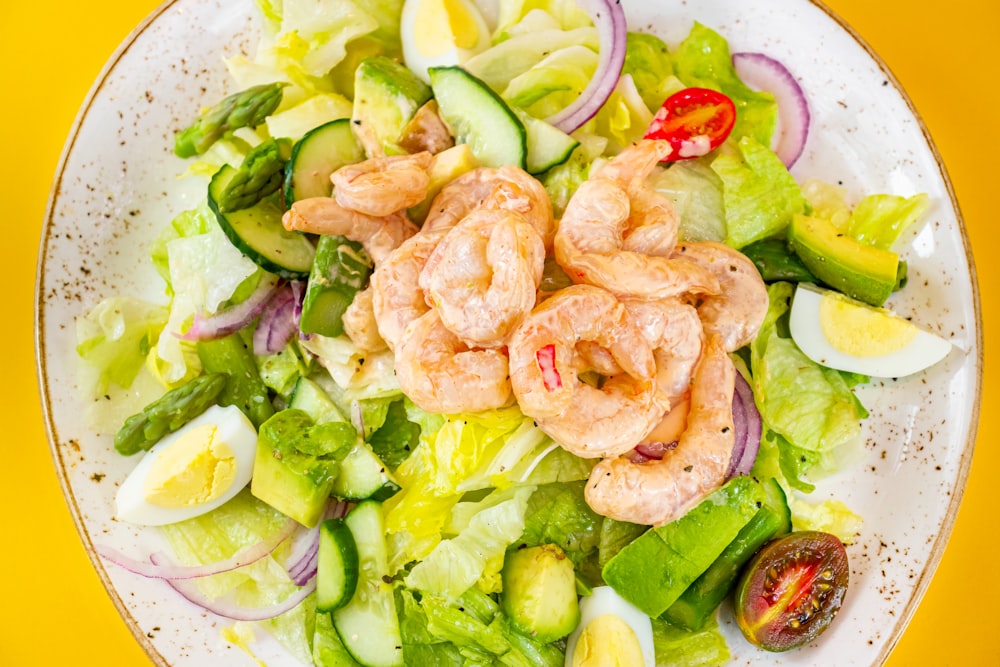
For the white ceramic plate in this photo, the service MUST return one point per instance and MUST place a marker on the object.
(116, 188)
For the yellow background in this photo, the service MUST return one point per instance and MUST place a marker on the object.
(53, 609)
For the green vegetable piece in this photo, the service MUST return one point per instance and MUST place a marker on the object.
(337, 569)
(247, 108)
(539, 592)
(297, 463)
(658, 567)
(700, 600)
(168, 413)
(776, 261)
(340, 270)
(860, 271)
(386, 96)
(261, 174)
(245, 389)
(328, 649)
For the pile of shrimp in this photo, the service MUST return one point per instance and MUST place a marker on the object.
(635, 351)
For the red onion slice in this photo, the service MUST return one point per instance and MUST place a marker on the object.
(748, 426)
(225, 607)
(278, 323)
(244, 557)
(609, 19)
(231, 320)
(762, 72)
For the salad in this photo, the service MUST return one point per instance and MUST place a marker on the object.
(450, 520)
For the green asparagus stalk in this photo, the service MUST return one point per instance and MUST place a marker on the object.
(261, 174)
(247, 108)
(168, 413)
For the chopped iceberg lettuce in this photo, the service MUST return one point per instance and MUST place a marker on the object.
(649, 63)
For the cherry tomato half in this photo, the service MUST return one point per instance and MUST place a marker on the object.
(694, 121)
(791, 590)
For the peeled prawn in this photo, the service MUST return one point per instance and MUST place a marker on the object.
(674, 331)
(483, 276)
(360, 324)
(380, 186)
(617, 232)
(737, 311)
(442, 375)
(658, 491)
(508, 188)
(545, 363)
(396, 298)
(324, 215)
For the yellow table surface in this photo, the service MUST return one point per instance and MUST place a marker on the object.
(55, 611)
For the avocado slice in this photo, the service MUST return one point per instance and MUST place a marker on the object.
(448, 165)
(386, 96)
(539, 592)
(860, 271)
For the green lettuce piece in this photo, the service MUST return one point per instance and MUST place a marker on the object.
(552, 83)
(810, 406)
(703, 59)
(456, 564)
(114, 339)
(558, 514)
(878, 220)
(649, 63)
(567, 14)
(827, 201)
(562, 181)
(397, 437)
(280, 371)
(624, 117)
(696, 192)
(195, 221)
(502, 63)
(680, 648)
(759, 195)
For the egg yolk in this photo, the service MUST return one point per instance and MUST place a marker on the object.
(441, 25)
(195, 469)
(860, 331)
(607, 641)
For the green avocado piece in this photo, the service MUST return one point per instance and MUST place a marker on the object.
(653, 571)
(539, 592)
(860, 271)
(386, 95)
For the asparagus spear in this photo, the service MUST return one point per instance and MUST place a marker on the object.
(168, 413)
(247, 108)
(261, 174)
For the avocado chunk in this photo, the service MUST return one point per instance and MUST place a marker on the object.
(655, 569)
(297, 462)
(448, 165)
(860, 271)
(386, 96)
(539, 592)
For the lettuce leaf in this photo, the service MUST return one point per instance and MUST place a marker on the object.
(679, 648)
(696, 192)
(649, 63)
(878, 220)
(558, 514)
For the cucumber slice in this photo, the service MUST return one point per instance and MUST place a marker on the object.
(362, 475)
(322, 151)
(258, 233)
(337, 572)
(368, 624)
(311, 399)
(548, 146)
(478, 117)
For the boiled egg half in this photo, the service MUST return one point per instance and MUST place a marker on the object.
(612, 633)
(190, 471)
(439, 33)
(838, 332)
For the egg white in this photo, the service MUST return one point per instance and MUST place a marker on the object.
(233, 428)
(417, 61)
(923, 351)
(605, 600)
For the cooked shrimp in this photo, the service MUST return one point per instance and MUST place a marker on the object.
(658, 491)
(396, 298)
(380, 186)
(737, 311)
(545, 362)
(483, 276)
(426, 131)
(324, 215)
(360, 324)
(675, 333)
(616, 232)
(442, 375)
(507, 187)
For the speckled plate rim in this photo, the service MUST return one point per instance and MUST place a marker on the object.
(944, 534)
(960, 480)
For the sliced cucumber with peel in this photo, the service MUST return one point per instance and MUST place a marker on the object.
(258, 233)
(478, 117)
(368, 624)
(548, 146)
(337, 570)
(322, 151)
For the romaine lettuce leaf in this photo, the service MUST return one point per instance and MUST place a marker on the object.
(679, 648)
(878, 220)
(696, 192)
(558, 514)
(649, 63)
